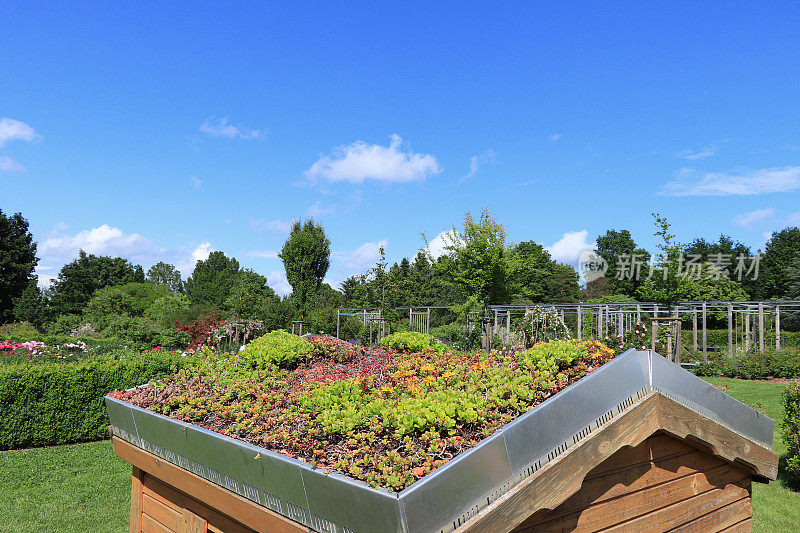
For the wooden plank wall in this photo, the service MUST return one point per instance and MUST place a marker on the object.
(158, 508)
(662, 484)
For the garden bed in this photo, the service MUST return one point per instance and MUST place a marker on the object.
(378, 415)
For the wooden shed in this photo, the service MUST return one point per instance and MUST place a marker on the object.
(676, 455)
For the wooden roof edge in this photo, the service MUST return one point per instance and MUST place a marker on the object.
(558, 480)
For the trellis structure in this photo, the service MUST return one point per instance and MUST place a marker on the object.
(366, 314)
(751, 325)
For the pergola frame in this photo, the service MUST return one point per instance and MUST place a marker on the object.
(746, 319)
(749, 322)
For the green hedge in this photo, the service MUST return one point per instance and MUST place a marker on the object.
(48, 404)
(791, 432)
(719, 338)
(771, 364)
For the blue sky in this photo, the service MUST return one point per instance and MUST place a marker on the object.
(166, 130)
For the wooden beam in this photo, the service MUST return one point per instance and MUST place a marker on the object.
(563, 477)
(250, 514)
(560, 479)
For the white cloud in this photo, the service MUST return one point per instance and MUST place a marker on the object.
(45, 276)
(437, 245)
(354, 262)
(748, 219)
(708, 151)
(360, 161)
(689, 182)
(202, 251)
(199, 253)
(261, 225)
(9, 165)
(58, 248)
(319, 209)
(277, 280)
(102, 240)
(264, 254)
(569, 247)
(196, 182)
(555, 137)
(222, 128)
(476, 162)
(363, 257)
(14, 130)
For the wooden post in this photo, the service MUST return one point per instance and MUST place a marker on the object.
(678, 346)
(337, 323)
(705, 343)
(638, 314)
(730, 330)
(136, 501)
(621, 325)
(508, 326)
(694, 330)
(653, 335)
(655, 316)
(777, 327)
(761, 327)
(495, 323)
(428, 325)
(600, 322)
(747, 331)
(580, 319)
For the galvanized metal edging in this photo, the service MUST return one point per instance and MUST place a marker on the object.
(449, 496)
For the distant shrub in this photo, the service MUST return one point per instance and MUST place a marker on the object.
(20, 332)
(278, 348)
(791, 432)
(65, 324)
(450, 332)
(784, 364)
(412, 341)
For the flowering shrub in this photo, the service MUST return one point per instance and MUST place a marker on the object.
(200, 333)
(541, 325)
(383, 416)
(36, 351)
(412, 341)
(639, 337)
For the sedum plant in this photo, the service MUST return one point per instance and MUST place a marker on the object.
(278, 348)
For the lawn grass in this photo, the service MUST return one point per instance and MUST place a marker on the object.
(76, 487)
(775, 506)
(85, 487)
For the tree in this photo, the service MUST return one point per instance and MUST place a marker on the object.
(477, 262)
(212, 279)
(667, 285)
(17, 261)
(131, 299)
(165, 274)
(31, 306)
(620, 253)
(306, 258)
(536, 278)
(250, 295)
(78, 280)
(780, 253)
(724, 253)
